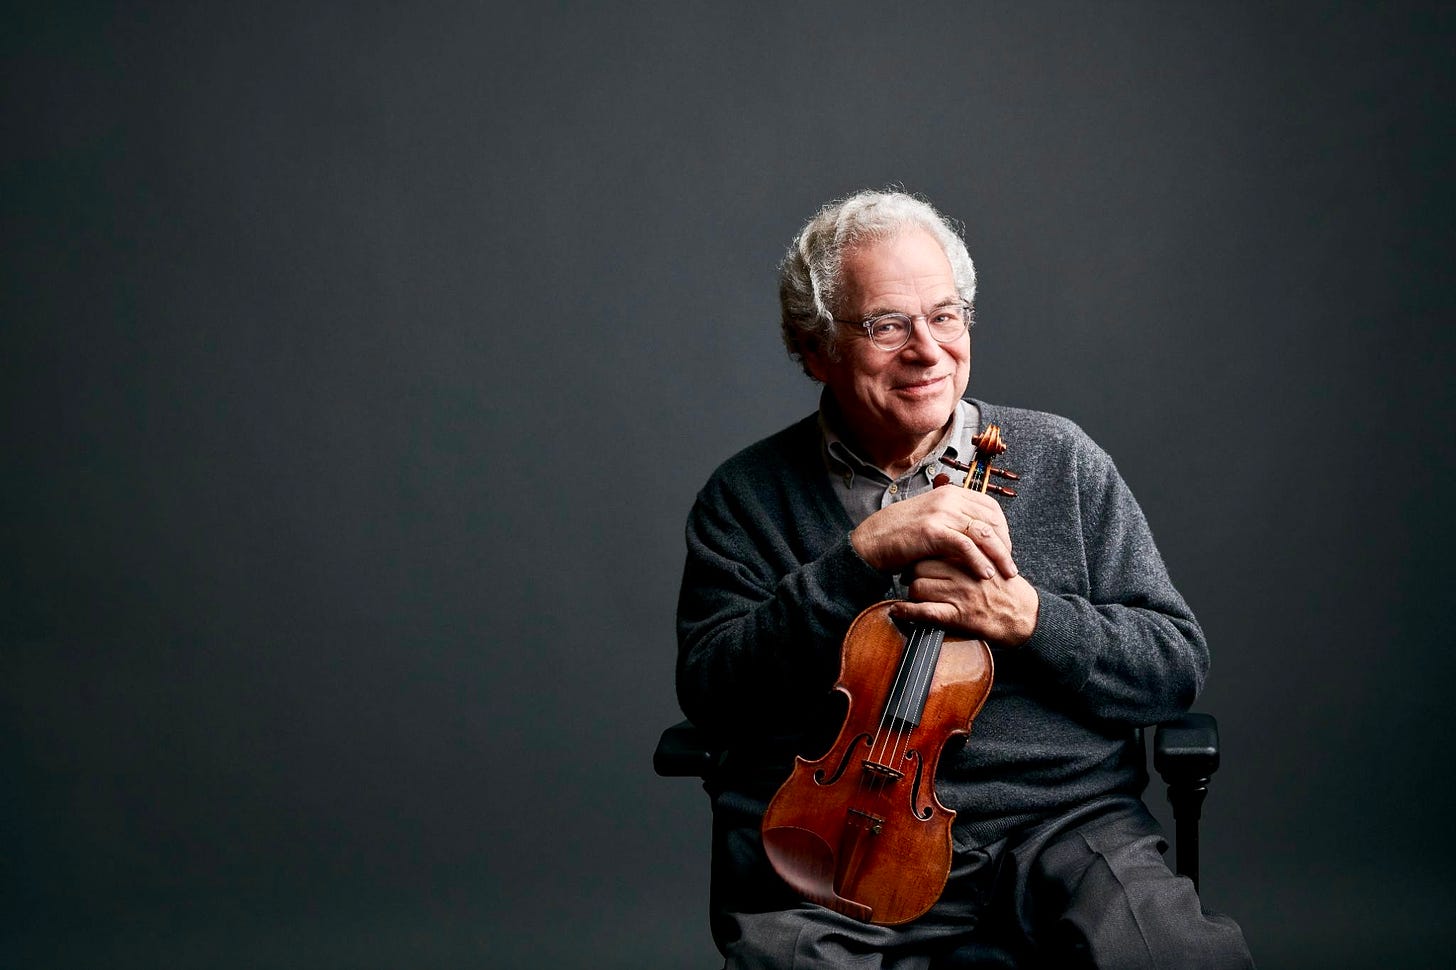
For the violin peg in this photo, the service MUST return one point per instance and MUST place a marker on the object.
(940, 480)
(1006, 473)
(1002, 490)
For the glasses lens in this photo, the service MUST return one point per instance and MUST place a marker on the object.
(947, 323)
(889, 332)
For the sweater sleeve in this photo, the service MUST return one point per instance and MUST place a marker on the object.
(759, 622)
(1125, 647)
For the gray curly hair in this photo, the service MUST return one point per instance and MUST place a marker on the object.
(809, 276)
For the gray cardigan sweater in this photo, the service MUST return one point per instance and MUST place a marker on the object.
(771, 584)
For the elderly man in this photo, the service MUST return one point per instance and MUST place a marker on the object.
(1056, 859)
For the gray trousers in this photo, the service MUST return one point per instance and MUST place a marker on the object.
(1086, 889)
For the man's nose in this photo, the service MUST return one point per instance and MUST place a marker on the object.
(921, 343)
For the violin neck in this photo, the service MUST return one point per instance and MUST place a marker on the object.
(917, 668)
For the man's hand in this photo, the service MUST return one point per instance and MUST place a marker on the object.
(954, 524)
(1000, 610)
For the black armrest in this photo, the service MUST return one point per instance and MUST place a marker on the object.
(1185, 754)
(683, 751)
(1186, 749)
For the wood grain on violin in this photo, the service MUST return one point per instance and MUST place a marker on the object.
(860, 830)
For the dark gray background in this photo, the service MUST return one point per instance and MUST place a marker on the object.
(360, 364)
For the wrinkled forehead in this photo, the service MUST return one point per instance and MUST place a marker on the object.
(908, 271)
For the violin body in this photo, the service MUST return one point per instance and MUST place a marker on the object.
(860, 830)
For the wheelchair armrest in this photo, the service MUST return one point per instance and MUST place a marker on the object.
(1185, 750)
(684, 751)
(1185, 753)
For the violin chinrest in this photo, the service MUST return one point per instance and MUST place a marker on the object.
(806, 862)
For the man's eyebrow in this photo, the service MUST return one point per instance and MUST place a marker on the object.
(882, 310)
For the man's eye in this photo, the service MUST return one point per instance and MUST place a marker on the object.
(887, 328)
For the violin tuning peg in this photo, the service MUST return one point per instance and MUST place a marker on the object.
(1006, 473)
(1002, 490)
(940, 480)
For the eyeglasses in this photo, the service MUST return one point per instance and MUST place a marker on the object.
(891, 331)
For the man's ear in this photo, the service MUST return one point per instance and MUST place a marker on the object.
(816, 362)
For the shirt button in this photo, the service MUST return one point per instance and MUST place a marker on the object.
(894, 488)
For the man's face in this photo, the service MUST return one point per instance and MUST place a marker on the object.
(893, 401)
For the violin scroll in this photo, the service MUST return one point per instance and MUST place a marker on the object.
(989, 444)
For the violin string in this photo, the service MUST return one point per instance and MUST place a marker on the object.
(902, 675)
(926, 663)
(905, 687)
(923, 670)
(879, 744)
(921, 667)
(915, 653)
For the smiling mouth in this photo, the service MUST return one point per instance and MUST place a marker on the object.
(920, 385)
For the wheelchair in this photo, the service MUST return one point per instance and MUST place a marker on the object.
(1185, 756)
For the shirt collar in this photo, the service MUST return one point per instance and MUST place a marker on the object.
(841, 459)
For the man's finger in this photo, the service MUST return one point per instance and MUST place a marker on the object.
(941, 614)
(970, 553)
(982, 547)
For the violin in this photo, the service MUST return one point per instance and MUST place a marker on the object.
(860, 830)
